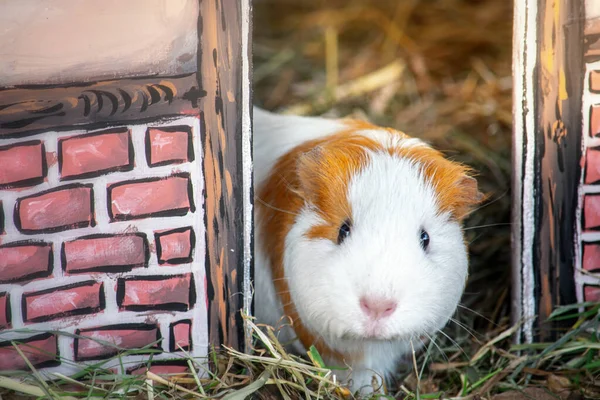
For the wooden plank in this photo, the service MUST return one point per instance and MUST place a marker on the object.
(560, 85)
(220, 60)
(31, 109)
(558, 120)
(548, 139)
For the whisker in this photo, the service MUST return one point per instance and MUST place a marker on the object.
(469, 331)
(478, 314)
(275, 208)
(453, 342)
(437, 346)
(475, 239)
(288, 185)
(487, 226)
(491, 202)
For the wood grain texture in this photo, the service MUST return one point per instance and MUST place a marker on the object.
(220, 62)
(558, 133)
(32, 109)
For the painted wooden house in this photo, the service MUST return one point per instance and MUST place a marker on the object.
(556, 187)
(125, 180)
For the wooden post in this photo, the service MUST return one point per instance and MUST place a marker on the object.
(226, 164)
(548, 71)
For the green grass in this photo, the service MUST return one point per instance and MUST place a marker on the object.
(471, 368)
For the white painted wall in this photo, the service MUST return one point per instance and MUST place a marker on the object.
(592, 9)
(61, 41)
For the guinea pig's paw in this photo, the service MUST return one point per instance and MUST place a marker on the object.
(366, 381)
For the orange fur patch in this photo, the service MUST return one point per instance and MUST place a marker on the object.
(317, 173)
(456, 191)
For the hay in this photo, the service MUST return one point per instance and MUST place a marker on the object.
(566, 368)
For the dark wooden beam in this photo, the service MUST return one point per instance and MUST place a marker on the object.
(28, 110)
(220, 59)
(558, 132)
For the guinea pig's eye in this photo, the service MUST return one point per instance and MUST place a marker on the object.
(424, 239)
(344, 232)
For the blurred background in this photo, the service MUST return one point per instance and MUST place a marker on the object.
(436, 69)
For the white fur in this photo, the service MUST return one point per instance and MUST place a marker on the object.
(391, 203)
(275, 135)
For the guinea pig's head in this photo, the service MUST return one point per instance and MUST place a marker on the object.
(376, 252)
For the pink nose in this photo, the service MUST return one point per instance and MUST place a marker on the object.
(378, 308)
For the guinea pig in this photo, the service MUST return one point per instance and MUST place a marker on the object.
(358, 239)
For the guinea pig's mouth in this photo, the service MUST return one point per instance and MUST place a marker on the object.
(374, 338)
(373, 335)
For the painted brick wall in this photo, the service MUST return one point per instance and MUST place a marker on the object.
(588, 278)
(102, 236)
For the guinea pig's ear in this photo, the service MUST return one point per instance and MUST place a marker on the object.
(308, 169)
(469, 196)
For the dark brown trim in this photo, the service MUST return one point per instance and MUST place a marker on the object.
(32, 109)
(558, 151)
(220, 60)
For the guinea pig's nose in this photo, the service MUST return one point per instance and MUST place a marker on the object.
(377, 307)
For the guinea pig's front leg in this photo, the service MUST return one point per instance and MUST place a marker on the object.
(365, 381)
(360, 379)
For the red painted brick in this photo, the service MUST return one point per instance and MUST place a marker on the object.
(106, 342)
(175, 246)
(591, 256)
(595, 120)
(592, 166)
(55, 210)
(591, 293)
(160, 369)
(180, 335)
(5, 315)
(170, 196)
(20, 261)
(173, 293)
(169, 145)
(95, 154)
(61, 302)
(591, 211)
(41, 351)
(107, 253)
(2, 218)
(23, 164)
(595, 81)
